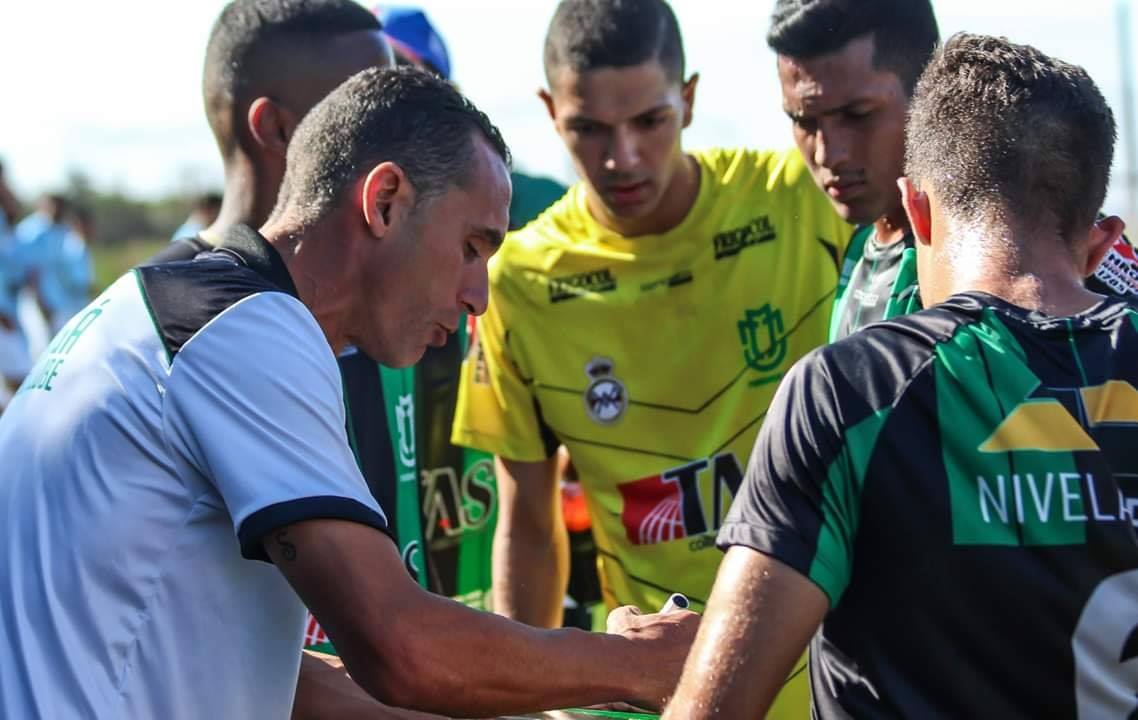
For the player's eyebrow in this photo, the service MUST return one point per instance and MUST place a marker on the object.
(491, 235)
(582, 119)
(799, 114)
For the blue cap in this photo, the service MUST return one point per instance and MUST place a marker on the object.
(412, 35)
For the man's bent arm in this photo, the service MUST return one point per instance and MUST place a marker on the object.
(410, 648)
(531, 545)
(759, 619)
(325, 691)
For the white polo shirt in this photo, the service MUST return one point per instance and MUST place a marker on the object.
(192, 409)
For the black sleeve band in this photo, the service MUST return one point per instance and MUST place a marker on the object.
(264, 521)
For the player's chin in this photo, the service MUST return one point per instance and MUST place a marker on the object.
(634, 210)
(406, 357)
(862, 210)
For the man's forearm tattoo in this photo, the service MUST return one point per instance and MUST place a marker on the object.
(288, 550)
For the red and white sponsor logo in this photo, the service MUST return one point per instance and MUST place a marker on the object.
(669, 506)
(313, 633)
(652, 511)
(1119, 269)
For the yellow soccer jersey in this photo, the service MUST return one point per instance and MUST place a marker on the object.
(653, 359)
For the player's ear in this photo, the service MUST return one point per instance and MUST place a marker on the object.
(1104, 234)
(688, 94)
(385, 192)
(916, 203)
(547, 100)
(271, 125)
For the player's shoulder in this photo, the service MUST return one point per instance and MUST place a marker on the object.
(31, 225)
(183, 248)
(530, 250)
(183, 297)
(919, 333)
(755, 170)
(879, 362)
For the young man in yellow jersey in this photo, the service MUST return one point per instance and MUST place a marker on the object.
(643, 321)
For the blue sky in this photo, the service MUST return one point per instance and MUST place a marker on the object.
(123, 105)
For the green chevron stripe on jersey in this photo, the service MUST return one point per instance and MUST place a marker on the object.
(472, 580)
(1024, 496)
(841, 501)
(878, 282)
(853, 253)
(962, 483)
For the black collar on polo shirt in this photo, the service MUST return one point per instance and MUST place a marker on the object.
(254, 252)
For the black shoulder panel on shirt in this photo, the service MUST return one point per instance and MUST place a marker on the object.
(181, 249)
(878, 361)
(184, 295)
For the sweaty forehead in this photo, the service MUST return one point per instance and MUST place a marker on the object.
(613, 95)
(835, 79)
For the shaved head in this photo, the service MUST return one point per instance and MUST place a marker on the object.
(587, 35)
(293, 51)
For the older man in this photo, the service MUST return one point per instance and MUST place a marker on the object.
(189, 423)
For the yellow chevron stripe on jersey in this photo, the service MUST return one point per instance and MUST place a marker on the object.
(1114, 402)
(1043, 425)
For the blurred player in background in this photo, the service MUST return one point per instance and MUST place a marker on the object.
(203, 214)
(14, 359)
(53, 261)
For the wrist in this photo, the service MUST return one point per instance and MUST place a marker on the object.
(628, 670)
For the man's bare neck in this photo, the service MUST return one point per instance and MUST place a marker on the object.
(249, 198)
(1043, 279)
(891, 227)
(1058, 296)
(313, 270)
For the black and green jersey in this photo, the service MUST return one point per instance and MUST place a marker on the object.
(879, 282)
(962, 484)
(459, 494)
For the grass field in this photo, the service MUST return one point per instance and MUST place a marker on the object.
(113, 260)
